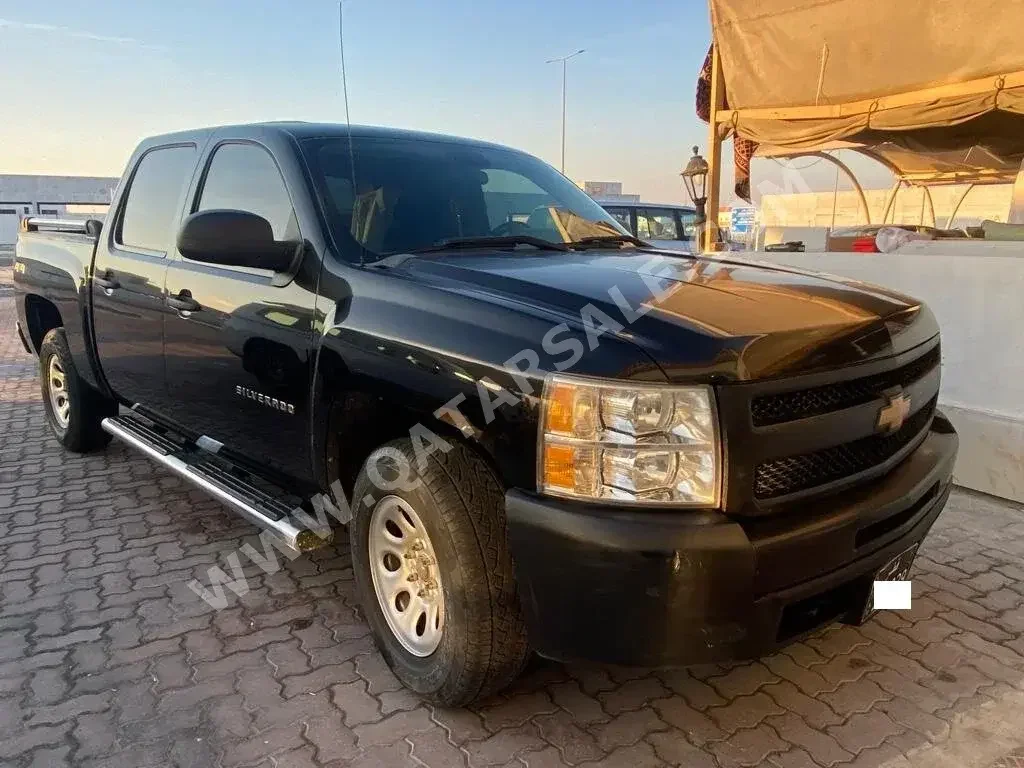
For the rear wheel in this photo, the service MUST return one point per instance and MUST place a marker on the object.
(74, 410)
(434, 575)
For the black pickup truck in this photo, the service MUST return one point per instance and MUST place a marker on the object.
(554, 437)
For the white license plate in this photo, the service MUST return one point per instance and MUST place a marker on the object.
(897, 569)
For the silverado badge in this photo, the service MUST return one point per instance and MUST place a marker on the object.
(259, 397)
(894, 413)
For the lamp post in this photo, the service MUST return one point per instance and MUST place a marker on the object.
(695, 178)
(563, 60)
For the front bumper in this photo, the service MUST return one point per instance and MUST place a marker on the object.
(657, 588)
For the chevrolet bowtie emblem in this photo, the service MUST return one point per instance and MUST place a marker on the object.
(895, 411)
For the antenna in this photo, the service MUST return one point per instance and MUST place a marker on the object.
(344, 90)
(341, 46)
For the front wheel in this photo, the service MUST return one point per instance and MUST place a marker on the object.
(74, 410)
(433, 572)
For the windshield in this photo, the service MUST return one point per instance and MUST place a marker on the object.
(412, 194)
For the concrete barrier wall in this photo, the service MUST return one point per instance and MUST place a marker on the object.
(976, 290)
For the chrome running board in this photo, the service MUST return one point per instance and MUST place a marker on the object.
(252, 503)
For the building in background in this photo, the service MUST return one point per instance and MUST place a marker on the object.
(609, 191)
(24, 195)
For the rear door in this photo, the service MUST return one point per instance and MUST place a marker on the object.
(238, 364)
(128, 275)
(661, 227)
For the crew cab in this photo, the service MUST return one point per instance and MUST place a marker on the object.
(555, 437)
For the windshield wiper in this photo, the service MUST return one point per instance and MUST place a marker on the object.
(599, 241)
(493, 241)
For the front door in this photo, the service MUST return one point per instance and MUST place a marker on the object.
(128, 276)
(624, 216)
(239, 361)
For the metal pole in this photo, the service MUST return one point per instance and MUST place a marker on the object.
(835, 195)
(889, 204)
(564, 61)
(564, 67)
(956, 208)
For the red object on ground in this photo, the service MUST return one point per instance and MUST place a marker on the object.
(865, 245)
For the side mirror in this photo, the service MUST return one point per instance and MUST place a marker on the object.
(236, 239)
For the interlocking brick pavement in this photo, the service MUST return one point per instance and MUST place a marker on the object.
(108, 659)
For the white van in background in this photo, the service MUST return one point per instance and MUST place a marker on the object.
(665, 225)
(668, 226)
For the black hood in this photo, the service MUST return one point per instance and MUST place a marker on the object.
(705, 318)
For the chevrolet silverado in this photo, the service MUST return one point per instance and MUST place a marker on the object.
(609, 452)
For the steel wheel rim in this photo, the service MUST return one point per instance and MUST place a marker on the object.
(57, 386)
(406, 578)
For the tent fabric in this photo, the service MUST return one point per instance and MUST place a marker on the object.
(742, 149)
(977, 165)
(775, 52)
(930, 78)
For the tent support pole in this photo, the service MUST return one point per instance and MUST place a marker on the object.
(931, 206)
(849, 174)
(956, 207)
(714, 180)
(891, 201)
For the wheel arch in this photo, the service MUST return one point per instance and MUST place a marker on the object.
(353, 415)
(41, 317)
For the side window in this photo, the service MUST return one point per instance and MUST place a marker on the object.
(621, 215)
(244, 177)
(657, 223)
(688, 221)
(154, 198)
(643, 224)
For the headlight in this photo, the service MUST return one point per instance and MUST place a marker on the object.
(640, 443)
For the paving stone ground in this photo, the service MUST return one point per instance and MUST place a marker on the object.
(108, 659)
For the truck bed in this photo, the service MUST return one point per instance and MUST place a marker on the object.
(51, 270)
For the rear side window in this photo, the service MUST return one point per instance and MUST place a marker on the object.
(688, 220)
(154, 198)
(244, 177)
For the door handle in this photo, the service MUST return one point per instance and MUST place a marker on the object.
(183, 302)
(106, 281)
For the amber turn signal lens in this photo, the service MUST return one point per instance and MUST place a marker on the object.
(559, 466)
(561, 399)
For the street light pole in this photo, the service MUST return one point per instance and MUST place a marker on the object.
(563, 60)
(563, 119)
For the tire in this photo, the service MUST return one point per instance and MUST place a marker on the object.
(460, 502)
(85, 408)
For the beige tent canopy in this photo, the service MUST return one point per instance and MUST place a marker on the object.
(925, 165)
(934, 90)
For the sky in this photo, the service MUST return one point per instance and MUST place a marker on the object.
(86, 81)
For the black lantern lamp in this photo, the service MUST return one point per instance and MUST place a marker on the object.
(695, 177)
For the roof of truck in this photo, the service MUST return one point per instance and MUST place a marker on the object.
(303, 130)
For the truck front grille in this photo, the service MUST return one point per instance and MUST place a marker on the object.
(766, 410)
(790, 474)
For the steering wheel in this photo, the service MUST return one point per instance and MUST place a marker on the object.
(511, 228)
